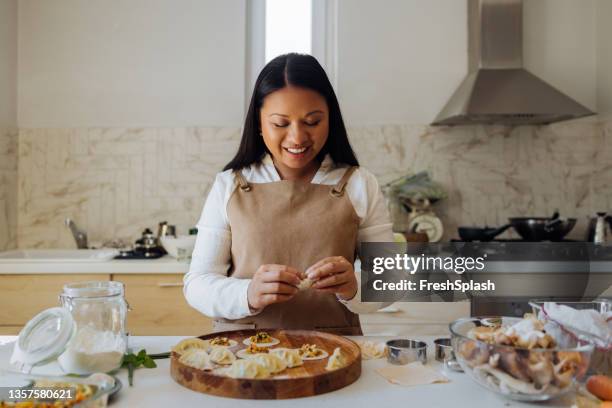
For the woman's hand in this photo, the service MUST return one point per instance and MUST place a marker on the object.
(334, 275)
(272, 284)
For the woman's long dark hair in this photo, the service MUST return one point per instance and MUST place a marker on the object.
(297, 70)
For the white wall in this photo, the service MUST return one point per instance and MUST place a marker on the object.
(400, 60)
(8, 63)
(604, 57)
(178, 63)
(559, 40)
(131, 63)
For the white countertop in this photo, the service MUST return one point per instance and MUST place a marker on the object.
(155, 387)
(165, 264)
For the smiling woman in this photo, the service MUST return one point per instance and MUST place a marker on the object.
(292, 205)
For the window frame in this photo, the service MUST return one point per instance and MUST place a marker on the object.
(324, 40)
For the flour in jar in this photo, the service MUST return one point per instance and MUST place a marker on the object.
(92, 351)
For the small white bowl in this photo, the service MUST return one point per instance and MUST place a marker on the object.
(172, 245)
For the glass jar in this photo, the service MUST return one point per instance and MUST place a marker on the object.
(86, 335)
(99, 311)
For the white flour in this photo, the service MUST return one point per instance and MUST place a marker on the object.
(92, 351)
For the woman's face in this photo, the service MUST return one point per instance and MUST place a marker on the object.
(295, 125)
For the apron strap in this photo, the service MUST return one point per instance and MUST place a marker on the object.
(338, 189)
(242, 183)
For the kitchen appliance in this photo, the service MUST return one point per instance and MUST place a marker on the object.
(599, 228)
(524, 270)
(147, 247)
(422, 219)
(498, 89)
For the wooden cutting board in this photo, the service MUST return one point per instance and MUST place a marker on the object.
(306, 380)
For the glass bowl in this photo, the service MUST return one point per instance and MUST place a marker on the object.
(518, 373)
(601, 359)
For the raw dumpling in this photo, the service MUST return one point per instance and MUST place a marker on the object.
(372, 349)
(305, 284)
(272, 363)
(222, 355)
(188, 344)
(196, 358)
(336, 360)
(247, 369)
(290, 357)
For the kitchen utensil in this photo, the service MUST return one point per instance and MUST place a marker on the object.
(601, 359)
(481, 234)
(306, 380)
(542, 228)
(147, 247)
(147, 241)
(444, 354)
(506, 369)
(601, 231)
(404, 351)
(593, 223)
(183, 243)
(86, 335)
(427, 223)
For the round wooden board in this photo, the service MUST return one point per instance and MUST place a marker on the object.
(304, 381)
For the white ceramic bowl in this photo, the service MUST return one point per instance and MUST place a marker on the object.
(172, 245)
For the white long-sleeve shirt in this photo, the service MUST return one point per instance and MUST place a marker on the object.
(207, 287)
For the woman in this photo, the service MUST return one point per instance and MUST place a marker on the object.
(292, 204)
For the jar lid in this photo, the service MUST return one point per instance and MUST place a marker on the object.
(43, 338)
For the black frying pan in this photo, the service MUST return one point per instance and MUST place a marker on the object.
(480, 234)
(542, 228)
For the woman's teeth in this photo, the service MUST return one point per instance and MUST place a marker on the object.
(296, 151)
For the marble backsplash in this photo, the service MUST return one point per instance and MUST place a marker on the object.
(8, 188)
(114, 182)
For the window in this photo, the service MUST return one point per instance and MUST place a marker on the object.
(288, 27)
(276, 27)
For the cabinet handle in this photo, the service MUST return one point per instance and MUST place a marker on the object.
(170, 284)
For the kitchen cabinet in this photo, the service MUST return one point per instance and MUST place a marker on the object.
(157, 301)
(158, 306)
(24, 296)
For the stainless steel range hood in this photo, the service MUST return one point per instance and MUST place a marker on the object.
(498, 90)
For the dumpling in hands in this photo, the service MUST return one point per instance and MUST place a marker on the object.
(247, 369)
(272, 363)
(290, 357)
(305, 284)
(336, 360)
(196, 358)
(222, 355)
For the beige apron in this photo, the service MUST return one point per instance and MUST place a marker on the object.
(296, 224)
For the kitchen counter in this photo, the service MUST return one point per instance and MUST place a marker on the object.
(165, 264)
(155, 387)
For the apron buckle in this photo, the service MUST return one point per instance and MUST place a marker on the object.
(336, 193)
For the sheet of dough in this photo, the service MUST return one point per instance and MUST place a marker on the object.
(411, 374)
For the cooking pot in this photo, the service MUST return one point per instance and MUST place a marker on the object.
(542, 228)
